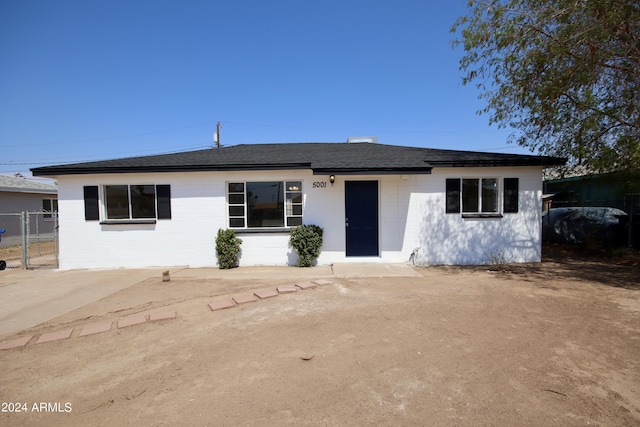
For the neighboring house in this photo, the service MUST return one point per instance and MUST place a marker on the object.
(18, 194)
(375, 202)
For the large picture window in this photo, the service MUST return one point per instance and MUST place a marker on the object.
(264, 204)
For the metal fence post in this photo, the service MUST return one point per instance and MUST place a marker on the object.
(24, 225)
(56, 246)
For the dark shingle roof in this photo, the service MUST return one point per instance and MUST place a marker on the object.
(322, 158)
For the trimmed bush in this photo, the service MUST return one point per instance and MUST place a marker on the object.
(307, 241)
(227, 248)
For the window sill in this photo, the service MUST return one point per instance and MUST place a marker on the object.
(127, 221)
(481, 215)
(274, 230)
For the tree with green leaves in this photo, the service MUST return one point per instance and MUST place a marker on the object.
(564, 74)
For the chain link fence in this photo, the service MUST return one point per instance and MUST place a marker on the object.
(29, 240)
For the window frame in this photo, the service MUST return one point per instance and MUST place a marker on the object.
(479, 199)
(290, 202)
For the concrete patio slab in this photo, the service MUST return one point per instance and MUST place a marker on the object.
(221, 304)
(287, 289)
(55, 336)
(96, 328)
(266, 293)
(131, 321)
(17, 343)
(165, 315)
(249, 273)
(306, 285)
(373, 269)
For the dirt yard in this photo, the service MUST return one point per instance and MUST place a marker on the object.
(544, 345)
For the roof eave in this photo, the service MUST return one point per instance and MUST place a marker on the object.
(372, 171)
(155, 169)
(541, 162)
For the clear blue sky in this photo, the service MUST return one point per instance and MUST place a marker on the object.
(90, 80)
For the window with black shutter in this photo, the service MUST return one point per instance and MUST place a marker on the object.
(122, 203)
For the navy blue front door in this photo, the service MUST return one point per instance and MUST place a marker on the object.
(361, 219)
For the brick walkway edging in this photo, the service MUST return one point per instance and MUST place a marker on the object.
(217, 304)
(91, 329)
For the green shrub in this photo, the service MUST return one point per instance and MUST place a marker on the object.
(227, 248)
(306, 240)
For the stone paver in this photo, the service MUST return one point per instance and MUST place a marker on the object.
(266, 293)
(96, 328)
(17, 343)
(221, 304)
(244, 298)
(165, 315)
(55, 336)
(322, 282)
(306, 285)
(287, 289)
(131, 321)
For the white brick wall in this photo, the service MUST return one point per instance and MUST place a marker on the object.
(411, 213)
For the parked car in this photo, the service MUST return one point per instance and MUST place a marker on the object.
(600, 225)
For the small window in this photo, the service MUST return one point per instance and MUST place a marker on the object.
(473, 195)
(267, 204)
(480, 195)
(49, 206)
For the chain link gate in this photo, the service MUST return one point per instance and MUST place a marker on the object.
(30, 240)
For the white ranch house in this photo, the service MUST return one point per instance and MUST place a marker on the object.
(375, 202)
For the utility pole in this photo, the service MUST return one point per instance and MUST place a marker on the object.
(216, 136)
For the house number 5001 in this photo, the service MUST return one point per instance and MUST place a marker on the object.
(320, 184)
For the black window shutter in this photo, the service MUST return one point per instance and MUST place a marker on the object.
(511, 195)
(163, 195)
(453, 195)
(91, 210)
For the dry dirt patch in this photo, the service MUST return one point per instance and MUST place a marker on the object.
(551, 344)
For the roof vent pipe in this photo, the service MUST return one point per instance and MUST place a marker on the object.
(359, 139)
